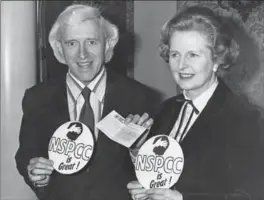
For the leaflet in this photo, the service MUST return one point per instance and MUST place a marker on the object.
(113, 126)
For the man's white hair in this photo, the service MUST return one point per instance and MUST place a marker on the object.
(76, 14)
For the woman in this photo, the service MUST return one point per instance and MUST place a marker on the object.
(220, 133)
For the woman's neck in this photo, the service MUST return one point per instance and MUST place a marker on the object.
(192, 94)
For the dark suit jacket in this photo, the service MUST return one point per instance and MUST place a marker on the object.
(222, 149)
(45, 108)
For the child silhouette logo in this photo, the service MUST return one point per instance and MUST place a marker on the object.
(75, 130)
(161, 144)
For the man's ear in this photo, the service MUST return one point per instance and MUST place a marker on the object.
(58, 52)
(109, 49)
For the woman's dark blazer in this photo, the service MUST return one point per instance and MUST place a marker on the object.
(222, 150)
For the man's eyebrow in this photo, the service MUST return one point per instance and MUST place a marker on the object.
(173, 51)
(93, 38)
(68, 40)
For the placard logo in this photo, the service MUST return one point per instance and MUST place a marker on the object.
(71, 147)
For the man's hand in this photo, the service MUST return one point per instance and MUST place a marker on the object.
(39, 171)
(164, 194)
(137, 191)
(144, 121)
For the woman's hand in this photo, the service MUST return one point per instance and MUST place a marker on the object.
(144, 121)
(164, 194)
(137, 191)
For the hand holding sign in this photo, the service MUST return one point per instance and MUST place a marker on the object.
(136, 190)
(39, 171)
(159, 162)
(164, 193)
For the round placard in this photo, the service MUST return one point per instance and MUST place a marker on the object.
(71, 147)
(159, 162)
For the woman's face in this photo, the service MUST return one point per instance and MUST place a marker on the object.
(191, 63)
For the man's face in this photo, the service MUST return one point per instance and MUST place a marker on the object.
(83, 47)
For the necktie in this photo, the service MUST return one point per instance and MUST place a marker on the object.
(87, 115)
(194, 110)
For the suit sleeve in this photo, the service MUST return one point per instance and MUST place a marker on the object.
(152, 103)
(158, 119)
(28, 141)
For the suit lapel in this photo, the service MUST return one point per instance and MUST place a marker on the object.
(106, 149)
(198, 133)
(173, 113)
(110, 100)
(61, 103)
(166, 119)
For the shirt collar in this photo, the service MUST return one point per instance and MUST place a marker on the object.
(201, 101)
(97, 86)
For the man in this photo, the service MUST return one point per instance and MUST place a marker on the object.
(82, 39)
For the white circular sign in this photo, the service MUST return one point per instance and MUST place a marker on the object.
(71, 147)
(159, 162)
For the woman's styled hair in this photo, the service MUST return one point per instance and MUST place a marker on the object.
(75, 14)
(221, 43)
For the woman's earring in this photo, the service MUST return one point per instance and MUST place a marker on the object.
(214, 69)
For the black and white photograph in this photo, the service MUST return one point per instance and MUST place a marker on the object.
(86, 85)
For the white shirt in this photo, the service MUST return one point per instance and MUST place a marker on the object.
(76, 99)
(200, 103)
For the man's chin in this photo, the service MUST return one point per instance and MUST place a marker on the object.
(87, 79)
(87, 76)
